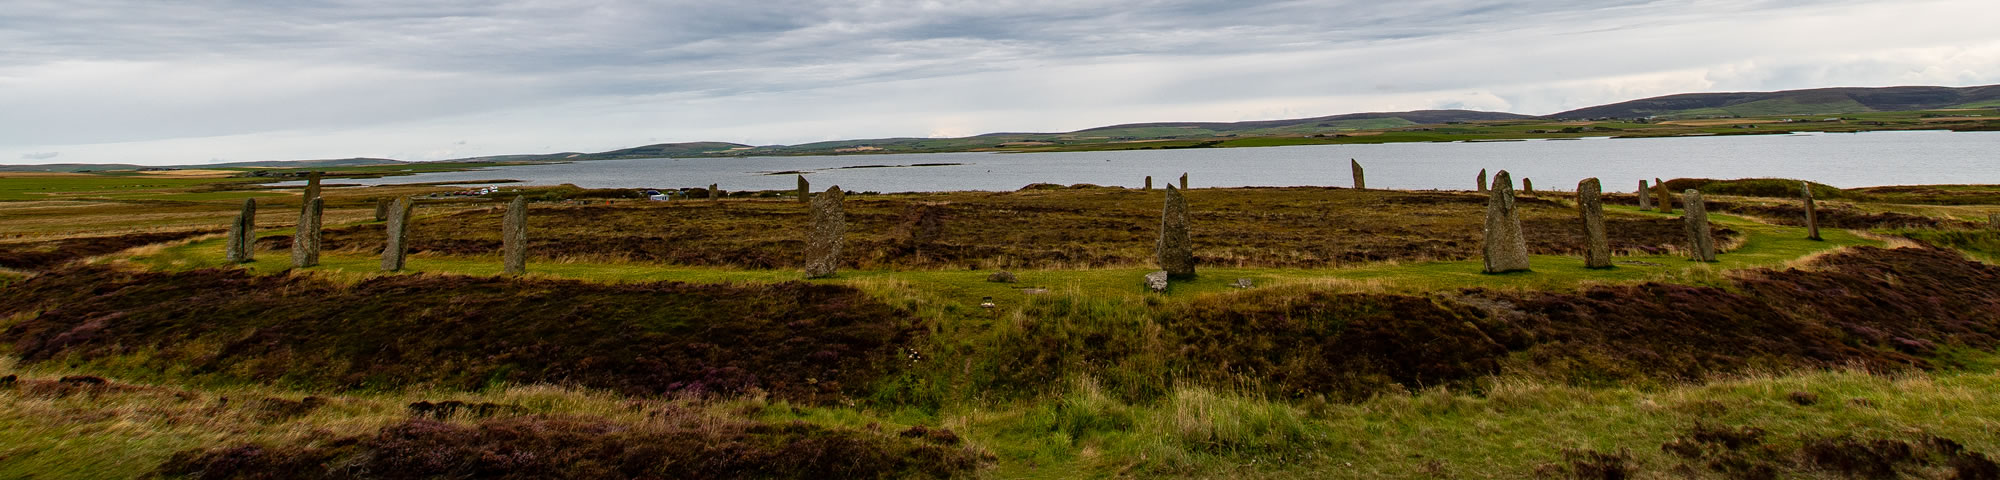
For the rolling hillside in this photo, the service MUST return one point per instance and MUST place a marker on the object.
(1818, 101)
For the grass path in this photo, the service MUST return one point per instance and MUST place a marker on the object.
(1763, 245)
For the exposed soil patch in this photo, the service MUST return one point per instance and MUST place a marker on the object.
(1032, 228)
(680, 446)
(1835, 217)
(1749, 453)
(46, 255)
(799, 341)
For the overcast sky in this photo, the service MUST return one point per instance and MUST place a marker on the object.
(200, 81)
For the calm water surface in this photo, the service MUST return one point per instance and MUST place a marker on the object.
(1838, 159)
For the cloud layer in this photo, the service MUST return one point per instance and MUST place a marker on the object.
(191, 82)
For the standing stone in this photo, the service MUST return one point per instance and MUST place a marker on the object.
(1993, 221)
(1482, 180)
(1175, 250)
(381, 209)
(396, 249)
(1149, 182)
(1645, 196)
(1183, 181)
(714, 193)
(514, 237)
(1812, 213)
(1597, 250)
(1527, 186)
(1505, 249)
(1663, 196)
(829, 232)
(1360, 180)
(805, 190)
(305, 243)
(243, 234)
(312, 190)
(1702, 243)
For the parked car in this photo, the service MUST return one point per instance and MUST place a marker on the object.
(656, 196)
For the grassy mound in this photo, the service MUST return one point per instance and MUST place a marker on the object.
(1755, 187)
(1871, 308)
(795, 340)
(680, 446)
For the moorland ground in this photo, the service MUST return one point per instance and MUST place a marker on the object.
(673, 340)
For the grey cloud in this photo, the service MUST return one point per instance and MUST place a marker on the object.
(39, 155)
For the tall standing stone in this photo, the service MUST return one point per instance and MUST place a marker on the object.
(1505, 249)
(382, 209)
(1183, 181)
(1360, 179)
(805, 190)
(1590, 204)
(312, 190)
(1149, 182)
(1482, 180)
(1527, 186)
(1663, 196)
(714, 191)
(1812, 212)
(396, 249)
(1702, 243)
(829, 233)
(305, 242)
(1645, 196)
(243, 234)
(514, 237)
(1175, 251)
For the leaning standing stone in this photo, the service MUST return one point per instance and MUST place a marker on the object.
(1812, 214)
(1702, 243)
(243, 233)
(312, 190)
(1505, 249)
(514, 237)
(1663, 196)
(397, 248)
(1645, 196)
(1174, 250)
(829, 232)
(1589, 203)
(1360, 180)
(305, 243)
(805, 190)
(1482, 180)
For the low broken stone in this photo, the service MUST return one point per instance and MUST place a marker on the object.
(1002, 276)
(1157, 281)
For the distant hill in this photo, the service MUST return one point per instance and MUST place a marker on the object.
(69, 167)
(1818, 101)
(1358, 120)
(658, 150)
(343, 162)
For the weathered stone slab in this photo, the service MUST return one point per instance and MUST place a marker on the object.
(1482, 180)
(1002, 276)
(1157, 281)
(714, 192)
(805, 190)
(1149, 182)
(1700, 242)
(1590, 204)
(243, 234)
(829, 233)
(1527, 186)
(1360, 177)
(1664, 197)
(306, 241)
(1993, 221)
(1244, 283)
(382, 209)
(1645, 196)
(514, 238)
(312, 190)
(1183, 181)
(1175, 250)
(1505, 249)
(1812, 212)
(396, 250)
